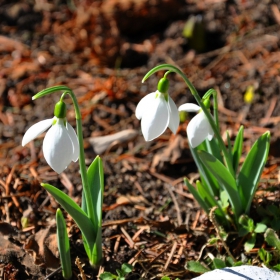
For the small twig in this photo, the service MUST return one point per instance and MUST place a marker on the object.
(170, 256)
(180, 251)
(160, 254)
(128, 238)
(196, 220)
(117, 244)
(217, 228)
(53, 273)
(179, 217)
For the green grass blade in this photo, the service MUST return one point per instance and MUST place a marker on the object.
(237, 149)
(63, 245)
(251, 170)
(225, 178)
(78, 215)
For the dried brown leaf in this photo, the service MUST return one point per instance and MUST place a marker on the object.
(43, 246)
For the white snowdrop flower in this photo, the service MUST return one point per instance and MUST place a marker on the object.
(60, 145)
(157, 111)
(199, 127)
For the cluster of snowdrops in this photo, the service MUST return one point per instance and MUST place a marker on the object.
(223, 184)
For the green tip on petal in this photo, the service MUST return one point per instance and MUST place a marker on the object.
(163, 85)
(60, 110)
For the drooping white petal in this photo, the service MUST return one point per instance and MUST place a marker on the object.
(141, 108)
(174, 119)
(74, 139)
(35, 130)
(58, 147)
(210, 133)
(189, 107)
(198, 129)
(155, 119)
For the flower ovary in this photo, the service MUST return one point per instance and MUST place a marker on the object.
(60, 110)
(163, 85)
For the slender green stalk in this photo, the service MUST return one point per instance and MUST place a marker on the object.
(63, 245)
(213, 92)
(83, 170)
(194, 92)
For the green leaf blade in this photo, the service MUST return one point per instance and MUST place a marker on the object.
(195, 266)
(78, 215)
(251, 170)
(197, 196)
(63, 245)
(95, 175)
(225, 178)
(237, 148)
(250, 243)
(272, 238)
(260, 228)
(107, 276)
(207, 178)
(218, 263)
(127, 268)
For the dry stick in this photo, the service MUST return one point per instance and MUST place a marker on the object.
(53, 273)
(216, 226)
(171, 255)
(160, 254)
(128, 238)
(180, 251)
(179, 217)
(134, 259)
(135, 236)
(117, 244)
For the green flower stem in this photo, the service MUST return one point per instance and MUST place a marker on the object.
(78, 116)
(194, 92)
(213, 92)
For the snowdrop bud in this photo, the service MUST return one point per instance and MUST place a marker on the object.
(60, 110)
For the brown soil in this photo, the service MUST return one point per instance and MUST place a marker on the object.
(102, 50)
